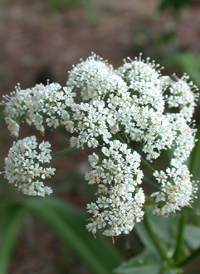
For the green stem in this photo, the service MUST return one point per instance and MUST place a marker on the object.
(156, 241)
(66, 150)
(142, 160)
(147, 165)
(180, 238)
(193, 255)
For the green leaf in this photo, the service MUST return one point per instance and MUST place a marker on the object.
(188, 210)
(172, 271)
(192, 236)
(146, 239)
(145, 263)
(186, 62)
(69, 224)
(162, 228)
(11, 221)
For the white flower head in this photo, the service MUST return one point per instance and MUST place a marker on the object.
(100, 106)
(36, 106)
(94, 78)
(144, 82)
(183, 95)
(177, 189)
(24, 166)
(120, 201)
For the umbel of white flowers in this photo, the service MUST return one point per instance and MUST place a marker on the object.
(107, 108)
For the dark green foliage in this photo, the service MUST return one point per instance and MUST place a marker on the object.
(177, 5)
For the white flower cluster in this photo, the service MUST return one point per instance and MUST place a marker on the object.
(101, 89)
(95, 79)
(184, 140)
(89, 124)
(151, 123)
(182, 95)
(177, 188)
(23, 166)
(99, 105)
(132, 102)
(144, 83)
(37, 105)
(120, 201)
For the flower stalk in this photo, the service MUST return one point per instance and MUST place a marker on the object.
(64, 151)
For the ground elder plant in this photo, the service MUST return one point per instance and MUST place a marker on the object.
(111, 110)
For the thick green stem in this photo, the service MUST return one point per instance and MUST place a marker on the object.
(156, 241)
(66, 150)
(180, 238)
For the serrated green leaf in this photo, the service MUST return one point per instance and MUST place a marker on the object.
(145, 263)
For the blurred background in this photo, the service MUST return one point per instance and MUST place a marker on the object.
(40, 40)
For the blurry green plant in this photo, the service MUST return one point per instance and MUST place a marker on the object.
(67, 222)
(177, 5)
(184, 62)
(88, 7)
(66, 4)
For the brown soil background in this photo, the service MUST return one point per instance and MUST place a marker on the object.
(38, 42)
